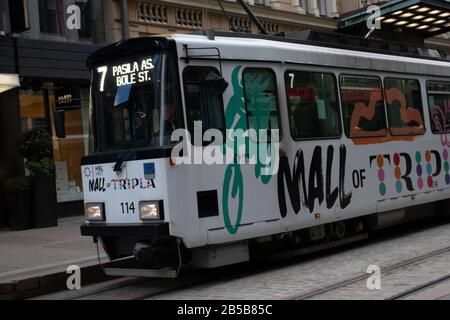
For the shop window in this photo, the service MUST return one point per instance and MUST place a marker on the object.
(261, 99)
(202, 102)
(404, 106)
(32, 110)
(68, 152)
(439, 103)
(363, 107)
(312, 105)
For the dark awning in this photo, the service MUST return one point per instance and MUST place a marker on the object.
(420, 18)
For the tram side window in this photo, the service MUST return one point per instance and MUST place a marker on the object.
(312, 105)
(404, 105)
(203, 103)
(363, 107)
(261, 99)
(439, 103)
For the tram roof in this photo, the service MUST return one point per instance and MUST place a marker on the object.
(283, 50)
(280, 50)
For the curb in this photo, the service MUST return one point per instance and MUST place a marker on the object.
(50, 283)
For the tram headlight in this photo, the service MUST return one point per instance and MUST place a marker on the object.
(94, 211)
(151, 210)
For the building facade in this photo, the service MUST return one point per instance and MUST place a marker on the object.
(148, 17)
(44, 45)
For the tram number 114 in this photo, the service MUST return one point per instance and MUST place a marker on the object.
(128, 208)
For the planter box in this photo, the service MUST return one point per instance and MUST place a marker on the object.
(18, 205)
(3, 212)
(44, 202)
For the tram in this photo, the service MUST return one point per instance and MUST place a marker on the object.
(354, 140)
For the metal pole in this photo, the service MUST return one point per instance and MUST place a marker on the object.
(255, 19)
(125, 21)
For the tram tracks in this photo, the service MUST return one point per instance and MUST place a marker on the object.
(133, 288)
(429, 265)
(419, 289)
(394, 270)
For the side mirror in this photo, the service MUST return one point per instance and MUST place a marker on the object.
(60, 124)
(216, 82)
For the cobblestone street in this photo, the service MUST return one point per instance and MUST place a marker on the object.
(424, 251)
(311, 274)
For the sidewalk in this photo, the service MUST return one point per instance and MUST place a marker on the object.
(38, 258)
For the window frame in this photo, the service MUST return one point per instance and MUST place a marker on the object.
(277, 97)
(204, 98)
(427, 83)
(338, 101)
(361, 76)
(422, 105)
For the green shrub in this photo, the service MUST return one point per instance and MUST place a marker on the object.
(43, 167)
(36, 147)
(17, 184)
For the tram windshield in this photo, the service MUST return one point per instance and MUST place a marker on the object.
(133, 103)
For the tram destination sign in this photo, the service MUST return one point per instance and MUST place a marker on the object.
(129, 73)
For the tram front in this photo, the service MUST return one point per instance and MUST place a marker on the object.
(135, 107)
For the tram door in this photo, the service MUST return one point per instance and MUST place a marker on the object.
(312, 143)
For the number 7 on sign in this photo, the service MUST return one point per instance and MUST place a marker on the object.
(103, 70)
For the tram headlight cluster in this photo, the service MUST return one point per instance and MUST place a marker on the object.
(94, 211)
(150, 210)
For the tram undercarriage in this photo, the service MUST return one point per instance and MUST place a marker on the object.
(162, 256)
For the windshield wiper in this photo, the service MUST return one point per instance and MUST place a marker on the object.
(127, 155)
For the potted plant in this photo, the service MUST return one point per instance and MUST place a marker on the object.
(18, 203)
(3, 213)
(36, 147)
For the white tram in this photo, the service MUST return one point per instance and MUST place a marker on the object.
(362, 145)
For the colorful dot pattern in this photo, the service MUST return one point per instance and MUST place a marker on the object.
(381, 175)
(419, 170)
(446, 166)
(398, 173)
(423, 168)
(429, 169)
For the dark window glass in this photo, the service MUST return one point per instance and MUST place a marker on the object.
(404, 106)
(85, 32)
(312, 105)
(439, 102)
(51, 16)
(363, 107)
(203, 102)
(261, 99)
(135, 103)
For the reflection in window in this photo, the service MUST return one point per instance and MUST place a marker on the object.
(312, 105)
(203, 102)
(261, 99)
(32, 110)
(363, 107)
(439, 102)
(404, 105)
(86, 31)
(51, 17)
